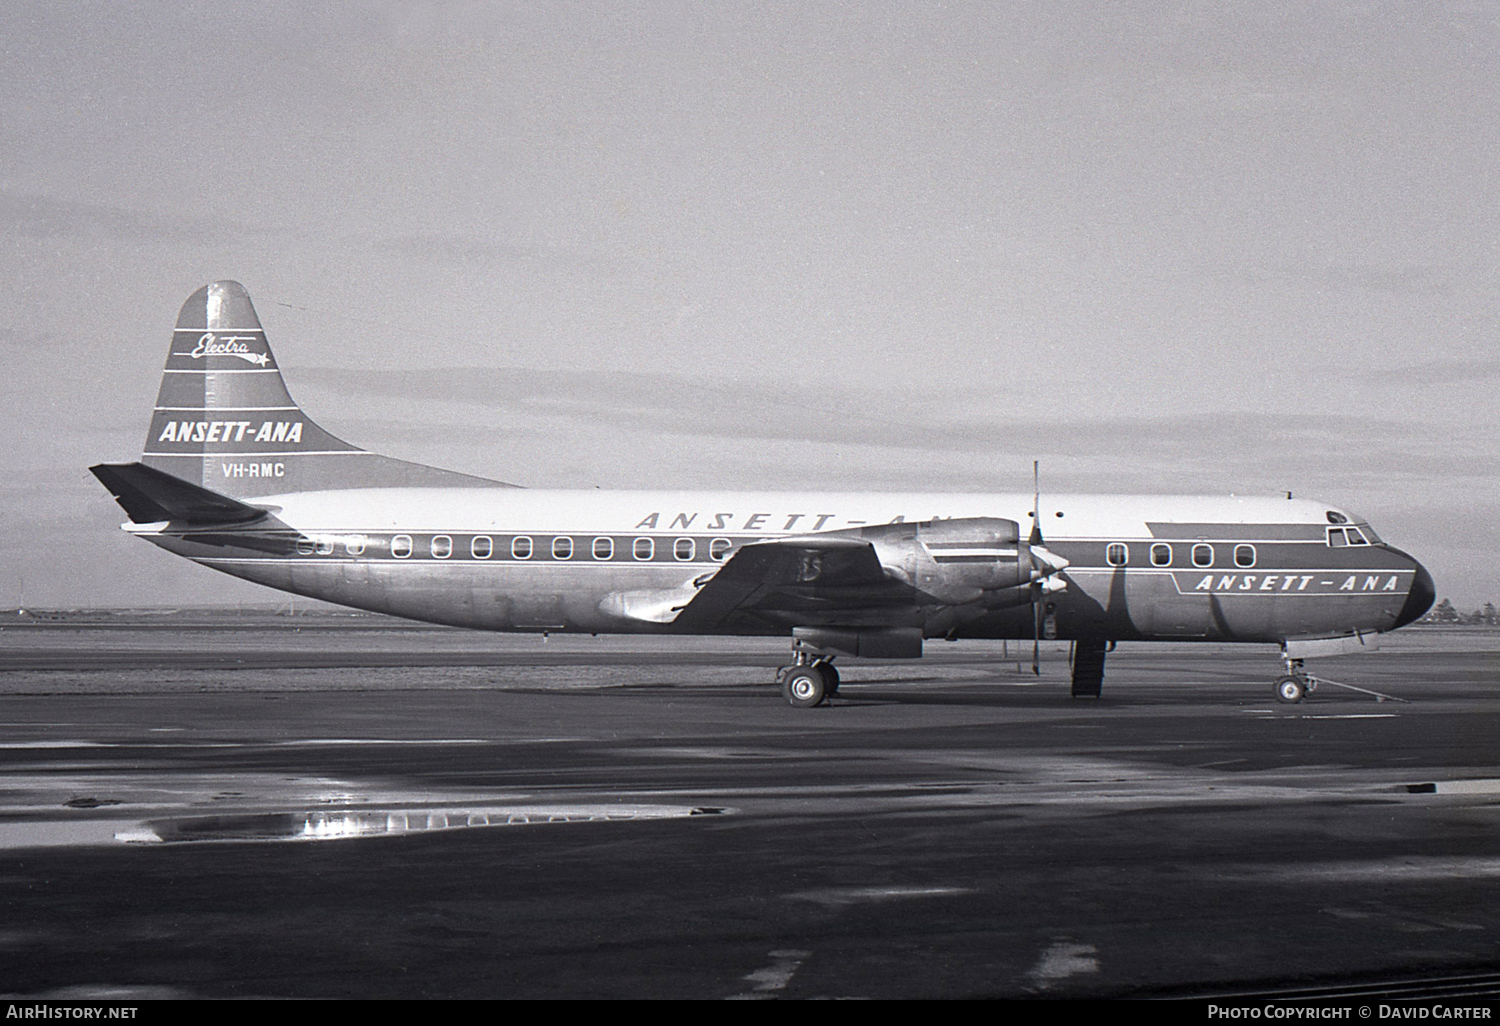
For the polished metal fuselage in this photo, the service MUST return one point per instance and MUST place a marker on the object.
(1139, 567)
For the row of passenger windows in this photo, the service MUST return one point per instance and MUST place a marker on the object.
(482, 546)
(686, 549)
(1118, 554)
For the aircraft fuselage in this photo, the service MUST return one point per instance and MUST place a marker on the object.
(1138, 567)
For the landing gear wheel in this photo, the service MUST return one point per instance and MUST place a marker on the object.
(1290, 690)
(830, 676)
(804, 687)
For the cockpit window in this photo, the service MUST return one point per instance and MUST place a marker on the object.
(1336, 537)
(1355, 538)
(1335, 517)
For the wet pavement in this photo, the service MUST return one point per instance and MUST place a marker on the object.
(607, 818)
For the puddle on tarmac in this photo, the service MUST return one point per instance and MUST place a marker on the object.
(72, 809)
(1479, 786)
(325, 824)
(332, 825)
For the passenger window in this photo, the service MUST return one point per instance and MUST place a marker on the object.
(401, 546)
(442, 546)
(1244, 555)
(325, 546)
(562, 548)
(1117, 554)
(644, 548)
(684, 549)
(604, 548)
(354, 544)
(719, 548)
(1336, 537)
(1203, 555)
(481, 546)
(1355, 538)
(304, 546)
(520, 547)
(1161, 555)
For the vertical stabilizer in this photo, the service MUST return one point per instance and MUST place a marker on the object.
(225, 421)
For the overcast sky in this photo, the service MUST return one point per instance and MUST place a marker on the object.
(1210, 247)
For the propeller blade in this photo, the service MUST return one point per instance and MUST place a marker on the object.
(1035, 542)
(1047, 563)
(1036, 629)
(1036, 506)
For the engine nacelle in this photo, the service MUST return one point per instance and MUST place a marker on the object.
(961, 561)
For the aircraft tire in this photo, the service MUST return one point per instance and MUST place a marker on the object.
(830, 676)
(805, 687)
(1290, 690)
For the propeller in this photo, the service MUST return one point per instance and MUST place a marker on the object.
(1034, 541)
(1044, 568)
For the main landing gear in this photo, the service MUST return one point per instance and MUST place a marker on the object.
(1296, 685)
(810, 680)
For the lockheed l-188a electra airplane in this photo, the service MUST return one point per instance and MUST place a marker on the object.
(236, 477)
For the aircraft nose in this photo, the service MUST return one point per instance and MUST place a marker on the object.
(1420, 598)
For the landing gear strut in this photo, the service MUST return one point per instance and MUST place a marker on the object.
(1296, 684)
(810, 680)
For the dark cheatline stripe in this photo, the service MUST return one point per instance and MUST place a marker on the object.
(1238, 532)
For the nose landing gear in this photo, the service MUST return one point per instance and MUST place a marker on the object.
(1290, 689)
(1296, 685)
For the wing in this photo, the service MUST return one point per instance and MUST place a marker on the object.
(881, 576)
(803, 576)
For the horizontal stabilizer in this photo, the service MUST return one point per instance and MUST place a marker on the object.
(150, 496)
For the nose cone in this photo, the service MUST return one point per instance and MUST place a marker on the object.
(1419, 599)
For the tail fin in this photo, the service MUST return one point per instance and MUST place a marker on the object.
(225, 421)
